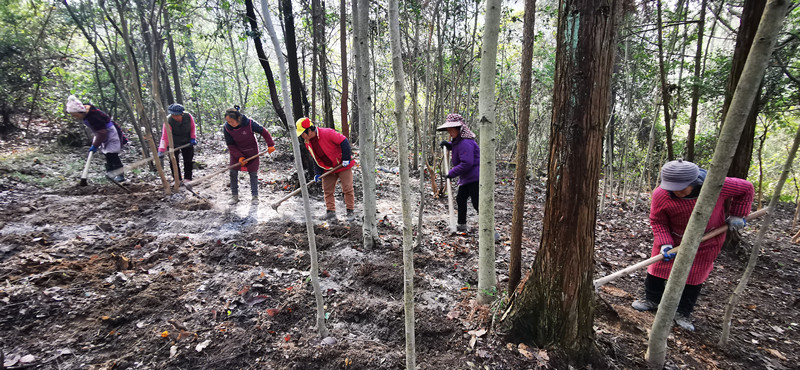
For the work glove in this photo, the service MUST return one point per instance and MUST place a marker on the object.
(345, 163)
(242, 161)
(92, 148)
(270, 150)
(193, 142)
(665, 252)
(446, 144)
(160, 154)
(736, 223)
(317, 178)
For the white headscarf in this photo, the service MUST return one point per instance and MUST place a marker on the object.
(74, 105)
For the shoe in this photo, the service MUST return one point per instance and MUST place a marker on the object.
(119, 178)
(644, 305)
(351, 216)
(254, 200)
(329, 215)
(234, 200)
(461, 227)
(684, 321)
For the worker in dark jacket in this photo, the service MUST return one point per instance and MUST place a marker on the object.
(239, 132)
(106, 136)
(182, 126)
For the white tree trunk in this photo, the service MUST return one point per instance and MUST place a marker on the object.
(746, 89)
(751, 264)
(365, 129)
(298, 163)
(487, 102)
(405, 188)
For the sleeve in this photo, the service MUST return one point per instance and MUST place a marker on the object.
(317, 169)
(232, 148)
(659, 220)
(741, 194)
(162, 145)
(100, 137)
(97, 121)
(264, 132)
(347, 153)
(192, 133)
(466, 159)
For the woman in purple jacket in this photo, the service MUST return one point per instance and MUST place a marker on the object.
(239, 132)
(466, 163)
(106, 137)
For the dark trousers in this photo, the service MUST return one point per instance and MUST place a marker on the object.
(654, 289)
(113, 162)
(188, 156)
(465, 192)
(235, 182)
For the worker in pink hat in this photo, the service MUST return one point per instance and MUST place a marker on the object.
(107, 135)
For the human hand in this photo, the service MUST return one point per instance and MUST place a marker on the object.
(736, 223)
(242, 161)
(160, 154)
(345, 163)
(193, 142)
(317, 178)
(446, 144)
(449, 176)
(92, 148)
(665, 252)
(270, 150)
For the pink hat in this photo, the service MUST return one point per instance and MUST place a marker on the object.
(74, 105)
(452, 120)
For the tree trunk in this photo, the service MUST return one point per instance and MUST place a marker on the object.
(518, 215)
(262, 58)
(745, 92)
(696, 84)
(665, 90)
(173, 60)
(312, 246)
(345, 77)
(365, 134)
(554, 306)
(487, 279)
(405, 188)
(318, 16)
(751, 16)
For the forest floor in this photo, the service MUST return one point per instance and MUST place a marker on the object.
(97, 278)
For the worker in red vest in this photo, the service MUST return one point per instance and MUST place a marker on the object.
(329, 149)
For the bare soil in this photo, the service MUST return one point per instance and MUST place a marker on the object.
(97, 278)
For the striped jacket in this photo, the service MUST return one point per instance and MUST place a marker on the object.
(669, 217)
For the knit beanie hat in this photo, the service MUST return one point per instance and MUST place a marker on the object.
(175, 109)
(677, 175)
(74, 105)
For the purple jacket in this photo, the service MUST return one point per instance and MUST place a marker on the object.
(466, 160)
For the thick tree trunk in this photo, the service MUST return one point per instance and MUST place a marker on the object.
(745, 91)
(554, 306)
(365, 134)
(751, 16)
(487, 104)
(518, 215)
(345, 77)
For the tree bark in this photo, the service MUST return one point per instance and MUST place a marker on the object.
(751, 16)
(365, 134)
(746, 90)
(345, 77)
(262, 58)
(405, 188)
(518, 214)
(554, 306)
(665, 91)
(696, 84)
(487, 104)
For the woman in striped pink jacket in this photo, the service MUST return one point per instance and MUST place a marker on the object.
(670, 210)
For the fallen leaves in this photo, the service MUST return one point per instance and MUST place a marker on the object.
(165, 334)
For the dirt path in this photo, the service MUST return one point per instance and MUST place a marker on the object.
(100, 279)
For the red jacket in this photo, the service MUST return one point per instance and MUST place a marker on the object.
(669, 217)
(328, 141)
